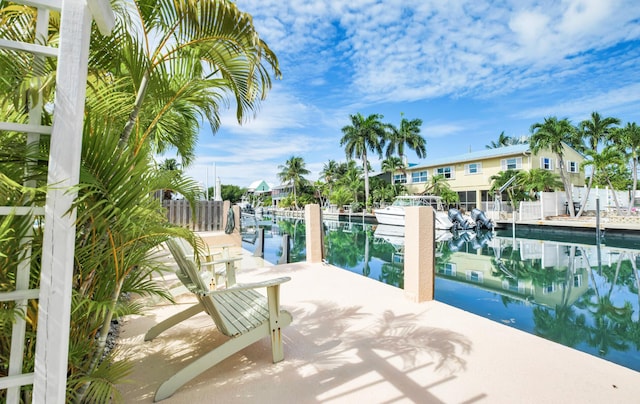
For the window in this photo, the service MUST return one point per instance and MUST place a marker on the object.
(473, 168)
(546, 163)
(449, 269)
(514, 163)
(572, 166)
(400, 178)
(446, 172)
(577, 281)
(474, 276)
(420, 176)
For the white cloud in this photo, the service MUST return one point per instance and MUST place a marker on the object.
(581, 108)
(410, 50)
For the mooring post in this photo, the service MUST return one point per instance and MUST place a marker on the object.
(419, 253)
(286, 255)
(259, 252)
(313, 230)
(237, 236)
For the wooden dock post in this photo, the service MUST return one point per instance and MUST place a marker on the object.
(313, 229)
(419, 253)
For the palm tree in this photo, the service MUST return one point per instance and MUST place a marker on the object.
(329, 172)
(173, 166)
(362, 135)
(167, 68)
(438, 185)
(597, 129)
(594, 131)
(392, 164)
(553, 134)
(504, 141)
(292, 173)
(603, 162)
(407, 134)
(514, 192)
(352, 180)
(538, 180)
(628, 139)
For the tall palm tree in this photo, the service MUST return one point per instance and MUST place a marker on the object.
(553, 134)
(292, 172)
(407, 134)
(329, 173)
(594, 131)
(597, 129)
(362, 135)
(627, 139)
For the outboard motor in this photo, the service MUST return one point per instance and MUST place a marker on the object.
(457, 219)
(482, 221)
(458, 241)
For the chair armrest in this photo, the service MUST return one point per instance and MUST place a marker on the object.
(253, 285)
(221, 261)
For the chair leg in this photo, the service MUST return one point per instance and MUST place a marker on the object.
(205, 362)
(173, 320)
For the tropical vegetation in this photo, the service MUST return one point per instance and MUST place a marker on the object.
(166, 68)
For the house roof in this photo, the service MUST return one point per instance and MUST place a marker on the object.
(262, 185)
(476, 156)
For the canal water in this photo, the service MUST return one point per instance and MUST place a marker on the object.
(578, 294)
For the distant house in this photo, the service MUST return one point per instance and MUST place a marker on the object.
(278, 193)
(470, 174)
(259, 187)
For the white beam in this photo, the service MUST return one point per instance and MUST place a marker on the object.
(29, 47)
(52, 347)
(19, 295)
(103, 15)
(14, 381)
(25, 128)
(21, 210)
(50, 4)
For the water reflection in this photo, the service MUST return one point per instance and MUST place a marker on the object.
(577, 294)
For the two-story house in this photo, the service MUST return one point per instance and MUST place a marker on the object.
(470, 174)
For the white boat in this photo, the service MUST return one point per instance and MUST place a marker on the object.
(394, 214)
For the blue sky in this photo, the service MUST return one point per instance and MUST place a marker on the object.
(468, 69)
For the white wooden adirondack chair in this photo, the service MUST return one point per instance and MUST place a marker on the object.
(239, 312)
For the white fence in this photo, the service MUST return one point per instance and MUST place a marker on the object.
(208, 215)
(555, 203)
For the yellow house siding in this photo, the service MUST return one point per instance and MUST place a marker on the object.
(492, 165)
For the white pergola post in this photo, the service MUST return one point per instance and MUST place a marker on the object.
(52, 344)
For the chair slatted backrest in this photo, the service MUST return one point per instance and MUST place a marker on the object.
(189, 275)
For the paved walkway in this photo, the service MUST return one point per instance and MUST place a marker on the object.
(354, 339)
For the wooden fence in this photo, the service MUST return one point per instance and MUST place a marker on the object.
(208, 215)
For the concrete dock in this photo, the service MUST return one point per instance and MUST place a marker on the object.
(354, 339)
